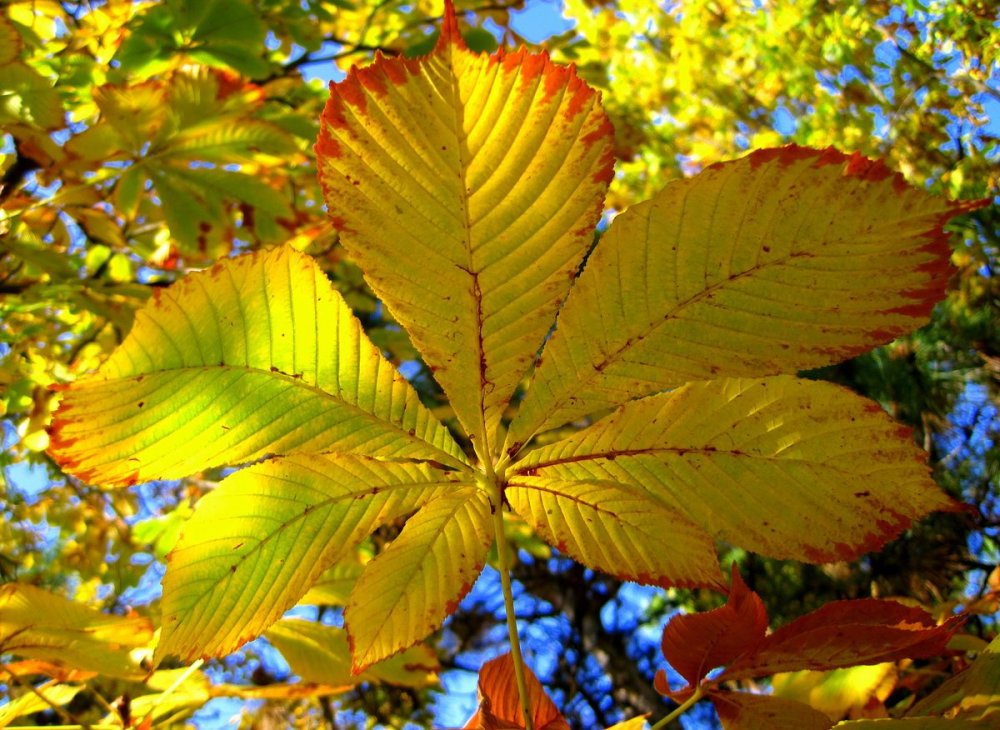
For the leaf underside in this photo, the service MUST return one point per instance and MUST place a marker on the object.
(785, 467)
(408, 590)
(257, 355)
(257, 543)
(471, 224)
(784, 260)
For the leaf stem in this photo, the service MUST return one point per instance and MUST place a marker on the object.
(170, 690)
(679, 710)
(508, 599)
(37, 691)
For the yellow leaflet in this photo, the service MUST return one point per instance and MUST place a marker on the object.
(785, 467)
(259, 541)
(257, 355)
(467, 188)
(784, 260)
(617, 529)
(408, 590)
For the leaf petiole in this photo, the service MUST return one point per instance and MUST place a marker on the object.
(679, 710)
(508, 599)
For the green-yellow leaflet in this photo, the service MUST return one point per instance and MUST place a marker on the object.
(466, 187)
(319, 653)
(259, 541)
(407, 591)
(255, 356)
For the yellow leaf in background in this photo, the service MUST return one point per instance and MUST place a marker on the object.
(335, 585)
(41, 625)
(839, 693)
(30, 702)
(10, 41)
(320, 654)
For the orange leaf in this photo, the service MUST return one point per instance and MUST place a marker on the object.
(499, 706)
(846, 634)
(696, 644)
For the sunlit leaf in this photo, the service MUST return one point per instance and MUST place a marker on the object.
(409, 589)
(784, 260)
(335, 585)
(169, 700)
(471, 224)
(635, 723)
(785, 467)
(26, 96)
(838, 693)
(616, 529)
(258, 355)
(258, 541)
(48, 695)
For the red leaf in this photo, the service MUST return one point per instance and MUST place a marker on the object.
(499, 706)
(742, 711)
(847, 634)
(697, 643)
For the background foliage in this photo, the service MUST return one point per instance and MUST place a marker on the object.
(144, 140)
